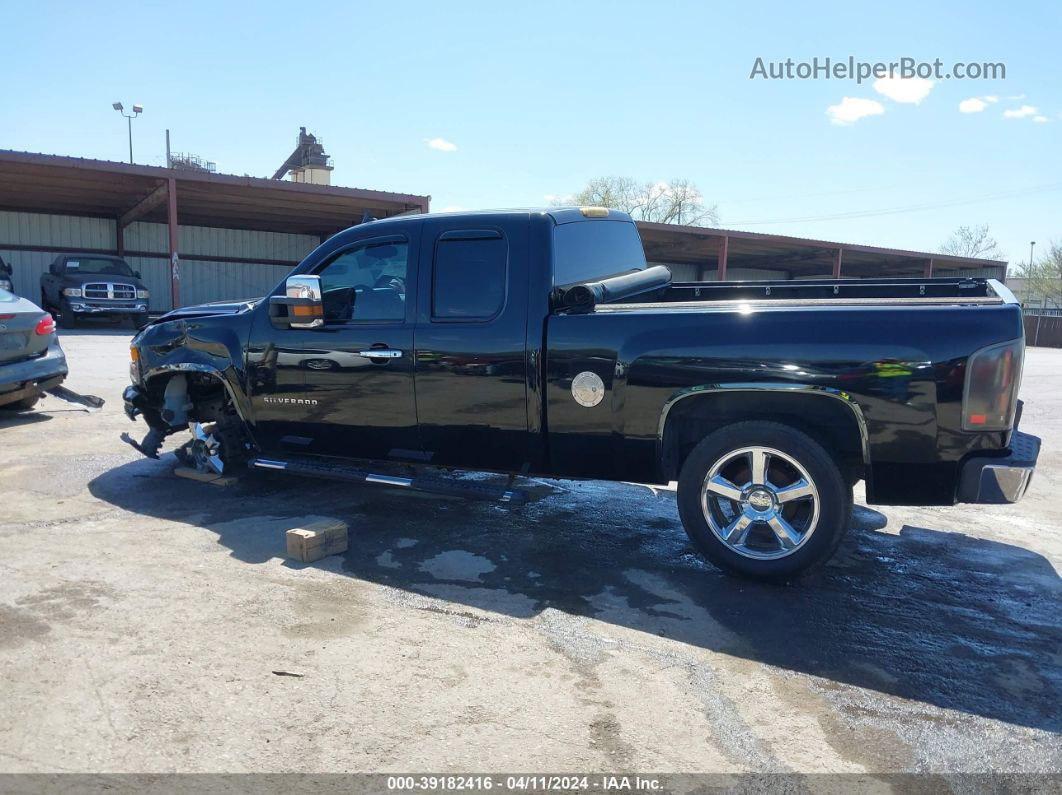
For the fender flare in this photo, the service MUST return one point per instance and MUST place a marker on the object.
(775, 388)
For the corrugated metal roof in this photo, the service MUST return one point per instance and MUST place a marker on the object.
(805, 242)
(102, 188)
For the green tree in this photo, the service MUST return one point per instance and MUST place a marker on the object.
(1044, 277)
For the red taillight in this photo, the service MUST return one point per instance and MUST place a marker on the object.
(1008, 369)
(46, 325)
(990, 392)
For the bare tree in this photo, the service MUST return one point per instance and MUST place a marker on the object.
(971, 241)
(675, 202)
(1044, 277)
(620, 193)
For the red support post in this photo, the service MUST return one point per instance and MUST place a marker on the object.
(929, 268)
(724, 245)
(175, 271)
(837, 264)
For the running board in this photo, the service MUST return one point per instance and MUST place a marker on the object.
(336, 470)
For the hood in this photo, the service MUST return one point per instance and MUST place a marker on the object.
(206, 310)
(73, 277)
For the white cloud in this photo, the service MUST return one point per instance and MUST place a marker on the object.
(1040, 119)
(1021, 113)
(910, 90)
(441, 145)
(851, 109)
(972, 105)
(977, 104)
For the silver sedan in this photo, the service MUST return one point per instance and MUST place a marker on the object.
(31, 360)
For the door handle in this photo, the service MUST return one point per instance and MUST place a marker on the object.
(380, 353)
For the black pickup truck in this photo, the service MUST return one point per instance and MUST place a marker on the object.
(540, 342)
(80, 285)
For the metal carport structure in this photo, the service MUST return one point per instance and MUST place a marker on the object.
(704, 254)
(123, 195)
(232, 237)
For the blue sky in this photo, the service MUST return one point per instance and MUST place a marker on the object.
(539, 97)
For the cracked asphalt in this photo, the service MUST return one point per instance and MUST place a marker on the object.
(143, 618)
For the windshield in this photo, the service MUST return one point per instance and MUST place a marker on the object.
(109, 267)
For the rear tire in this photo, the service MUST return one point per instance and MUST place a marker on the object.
(763, 500)
(22, 405)
(67, 316)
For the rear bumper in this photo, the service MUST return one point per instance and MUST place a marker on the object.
(1003, 479)
(32, 377)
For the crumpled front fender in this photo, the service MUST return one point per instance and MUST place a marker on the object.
(208, 346)
(135, 401)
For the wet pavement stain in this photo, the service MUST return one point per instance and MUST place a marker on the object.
(920, 623)
(19, 626)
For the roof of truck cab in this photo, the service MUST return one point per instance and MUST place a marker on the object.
(560, 215)
(703, 247)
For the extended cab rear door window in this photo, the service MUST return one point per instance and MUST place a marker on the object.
(588, 251)
(470, 275)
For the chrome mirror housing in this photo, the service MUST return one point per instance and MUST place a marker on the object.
(302, 297)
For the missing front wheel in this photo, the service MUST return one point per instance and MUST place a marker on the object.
(215, 448)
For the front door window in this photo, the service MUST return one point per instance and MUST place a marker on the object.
(366, 283)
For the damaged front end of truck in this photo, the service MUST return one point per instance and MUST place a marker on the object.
(187, 374)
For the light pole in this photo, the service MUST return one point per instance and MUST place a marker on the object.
(1032, 245)
(137, 110)
(1042, 301)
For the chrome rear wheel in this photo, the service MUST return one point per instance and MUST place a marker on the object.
(763, 499)
(760, 502)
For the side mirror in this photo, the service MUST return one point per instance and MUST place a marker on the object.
(300, 306)
(136, 274)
